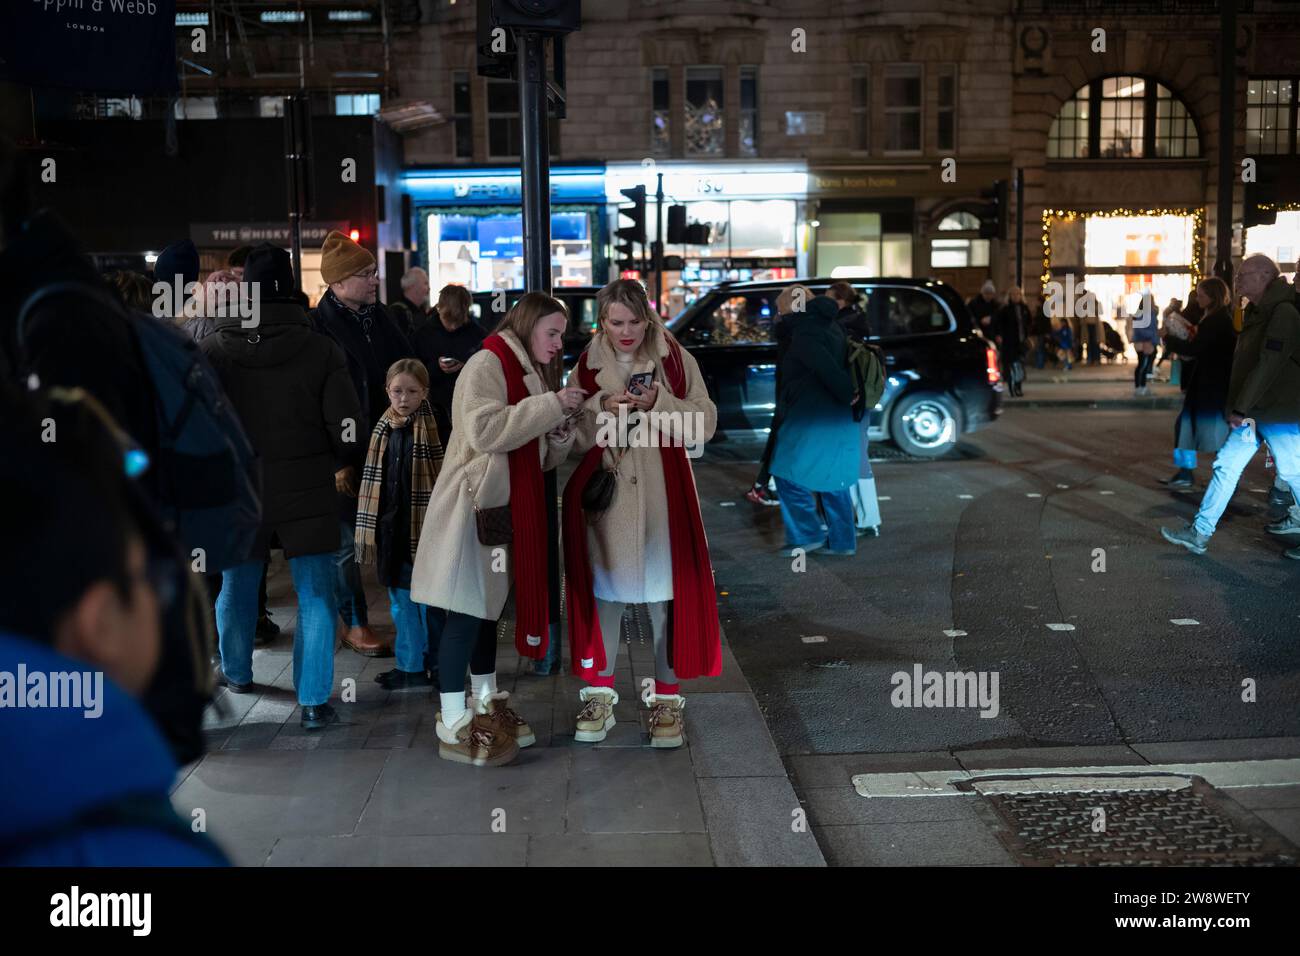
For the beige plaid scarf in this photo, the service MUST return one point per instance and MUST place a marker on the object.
(426, 462)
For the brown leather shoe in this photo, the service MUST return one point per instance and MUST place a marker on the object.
(364, 641)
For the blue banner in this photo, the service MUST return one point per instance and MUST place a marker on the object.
(118, 46)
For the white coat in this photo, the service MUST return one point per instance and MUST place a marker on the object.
(452, 569)
(629, 547)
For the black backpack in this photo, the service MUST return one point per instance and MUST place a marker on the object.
(208, 478)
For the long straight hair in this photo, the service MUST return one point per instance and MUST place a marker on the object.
(523, 319)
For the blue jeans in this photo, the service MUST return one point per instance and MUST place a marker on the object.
(1185, 458)
(418, 629)
(313, 641)
(803, 526)
(1232, 459)
(349, 592)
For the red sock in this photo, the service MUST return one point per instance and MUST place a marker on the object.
(666, 690)
(599, 681)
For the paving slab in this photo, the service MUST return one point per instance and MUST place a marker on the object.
(843, 806)
(620, 849)
(420, 794)
(619, 790)
(837, 770)
(729, 737)
(757, 821)
(499, 849)
(1200, 751)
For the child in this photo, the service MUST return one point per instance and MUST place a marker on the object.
(1065, 343)
(402, 465)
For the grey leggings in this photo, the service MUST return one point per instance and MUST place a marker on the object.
(610, 614)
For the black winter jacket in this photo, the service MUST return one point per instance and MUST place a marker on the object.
(1208, 376)
(291, 390)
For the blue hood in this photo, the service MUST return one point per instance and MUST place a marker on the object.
(58, 763)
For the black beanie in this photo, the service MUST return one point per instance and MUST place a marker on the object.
(270, 266)
(180, 258)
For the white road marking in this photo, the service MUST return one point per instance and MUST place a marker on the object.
(726, 504)
(954, 633)
(1183, 620)
(1063, 486)
(966, 496)
(814, 639)
(883, 498)
(940, 783)
(1260, 491)
(1106, 492)
(1033, 494)
(1061, 627)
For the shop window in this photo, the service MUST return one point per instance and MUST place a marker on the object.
(1270, 116)
(704, 111)
(269, 107)
(462, 116)
(660, 122)
(196, 107)
(356, 104)
(749, 111)
(853, 245)
(946, 139)
(1123, 117)
(861, 108)
(903, 108)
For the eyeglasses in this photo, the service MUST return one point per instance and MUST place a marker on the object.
(367, 275)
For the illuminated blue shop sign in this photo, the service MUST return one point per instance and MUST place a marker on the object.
(452, 187)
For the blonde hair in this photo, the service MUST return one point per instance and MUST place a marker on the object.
(408, 366)
(453, 305)
(785, 301)
(631, 295)
(521, 320)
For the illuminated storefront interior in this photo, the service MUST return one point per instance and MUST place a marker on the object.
(1280, 241)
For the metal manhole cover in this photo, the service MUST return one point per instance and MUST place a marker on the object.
(1193, 826)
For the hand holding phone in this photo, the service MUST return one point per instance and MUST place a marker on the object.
(639, 382)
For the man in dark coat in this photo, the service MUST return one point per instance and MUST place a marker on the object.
(292, 392)
(410, 310)
(984, 307)
(1263, 401)
(351, 315)
(1009, 332)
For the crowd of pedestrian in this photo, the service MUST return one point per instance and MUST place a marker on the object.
(347, 435)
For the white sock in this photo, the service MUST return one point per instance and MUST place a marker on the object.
(483, 686)
(453, 707)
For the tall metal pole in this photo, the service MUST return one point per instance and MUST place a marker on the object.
(657, 252)
(535, 167)
(1227, 115)
(1020, 227)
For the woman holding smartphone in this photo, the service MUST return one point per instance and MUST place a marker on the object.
(647, 546)
(444, 345)
(485, 530)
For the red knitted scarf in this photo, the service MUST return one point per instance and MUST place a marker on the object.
(694, 648)
(528, 520)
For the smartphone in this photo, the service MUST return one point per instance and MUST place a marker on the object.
(639, 382)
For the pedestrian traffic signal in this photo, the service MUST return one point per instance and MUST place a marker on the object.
(993, 214)
(676, 224)
(635, 233)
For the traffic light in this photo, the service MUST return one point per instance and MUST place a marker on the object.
(993, 215)
(699, 234)
(676, 224)
(635, 233)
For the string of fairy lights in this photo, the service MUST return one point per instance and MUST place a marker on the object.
(1069, 215)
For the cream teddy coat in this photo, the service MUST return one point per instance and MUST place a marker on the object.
(629, 546)
(452, 569)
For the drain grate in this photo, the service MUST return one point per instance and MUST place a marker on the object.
(1193, 826)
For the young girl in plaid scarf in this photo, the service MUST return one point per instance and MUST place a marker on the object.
(401, 467)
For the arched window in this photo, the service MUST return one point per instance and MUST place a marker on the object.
(958, 222)
(956, 243)
(1123, 117)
